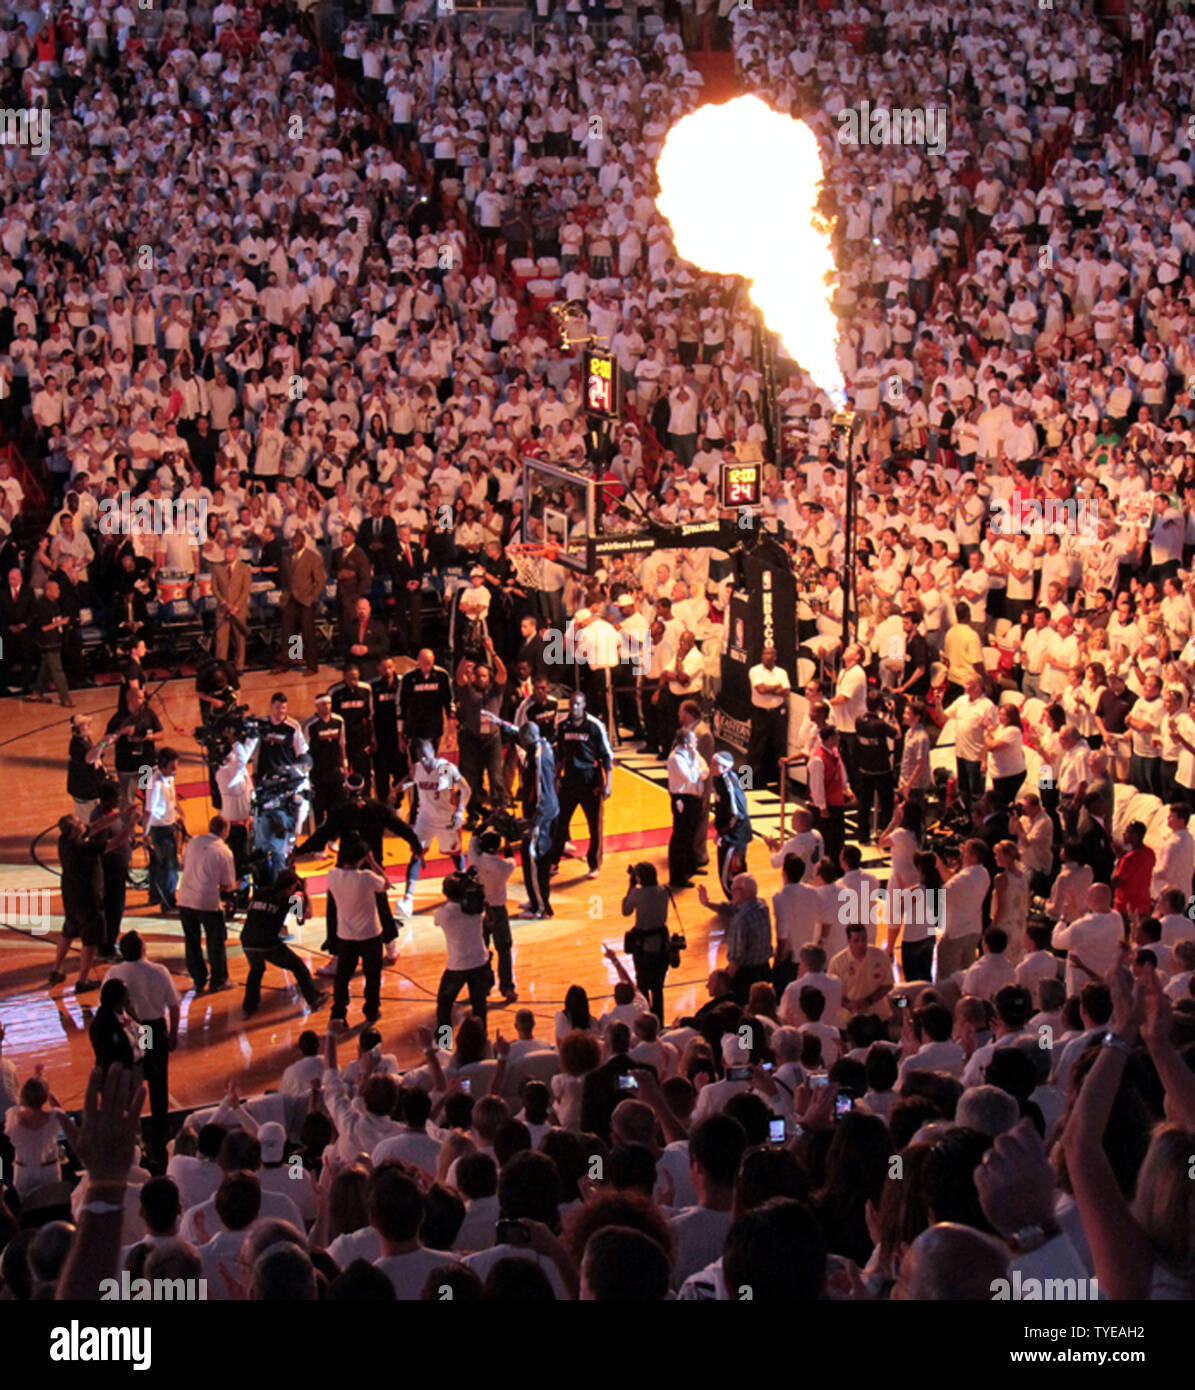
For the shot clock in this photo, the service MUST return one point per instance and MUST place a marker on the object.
(601, 384)
(742, 484)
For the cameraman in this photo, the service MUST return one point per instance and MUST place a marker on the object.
(648, 942)
(234, 779)
(462, 922)
(262, 940)
(873, 757)
(354, 885)
(493, 871)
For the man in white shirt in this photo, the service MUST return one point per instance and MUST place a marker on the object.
(716, 1148)
(963, 899)
(1093, 942)
(770, 689)
(1174, 861)
(461, 920)
(412, 1144)
(154, 1004)
(354, 885)
(396, 1208)
(804, 841)
(811, 970)
(992, 971)
(208, 868)
(796, 909)
(848, 704)
(931, 1026)
(974, 715)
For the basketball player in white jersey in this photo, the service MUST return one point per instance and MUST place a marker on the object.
(440, 813)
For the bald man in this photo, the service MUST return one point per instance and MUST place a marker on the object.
(1092, 942)
(950, 1263)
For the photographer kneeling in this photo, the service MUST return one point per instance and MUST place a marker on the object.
(648, 942)
(461, 919)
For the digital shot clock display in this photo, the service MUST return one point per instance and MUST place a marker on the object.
(742, 484)
(601, 384)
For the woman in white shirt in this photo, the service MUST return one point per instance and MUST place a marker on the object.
(1010, 899)
(902, 840)
(33, 1127)
(914, 917)
(1006, 754)
(580, 1053)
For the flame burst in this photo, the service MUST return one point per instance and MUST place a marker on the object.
(767, 228)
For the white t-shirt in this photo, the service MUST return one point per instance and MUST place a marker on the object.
(408, 1273)
(208, 866)
(972, 719)
(463, 933)
(355, 892)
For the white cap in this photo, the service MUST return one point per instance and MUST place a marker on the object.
(272, 1138)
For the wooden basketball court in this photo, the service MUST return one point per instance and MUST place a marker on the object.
(216, 1042)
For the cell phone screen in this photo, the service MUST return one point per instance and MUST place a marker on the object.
(776, 1131)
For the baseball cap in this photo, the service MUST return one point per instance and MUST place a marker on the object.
(626, 601)
(734, 1054)
(272, 1138)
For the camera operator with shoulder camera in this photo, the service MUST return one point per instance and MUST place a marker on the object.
(234, 778)
(462, 921)
(648, 942)
(493, 870)
(354, 884)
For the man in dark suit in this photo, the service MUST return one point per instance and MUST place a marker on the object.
(991, 820)
(410, 563)
(72, 598)
(354, 574)
(531, 646)
(16, 625)
(378, 538)
(366, 640)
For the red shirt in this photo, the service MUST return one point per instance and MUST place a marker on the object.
(1134, 872)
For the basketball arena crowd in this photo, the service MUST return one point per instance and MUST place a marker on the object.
(292, 269)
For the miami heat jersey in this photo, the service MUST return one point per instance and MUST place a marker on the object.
(435, 786)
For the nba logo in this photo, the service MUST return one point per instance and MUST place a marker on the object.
(738, 633)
